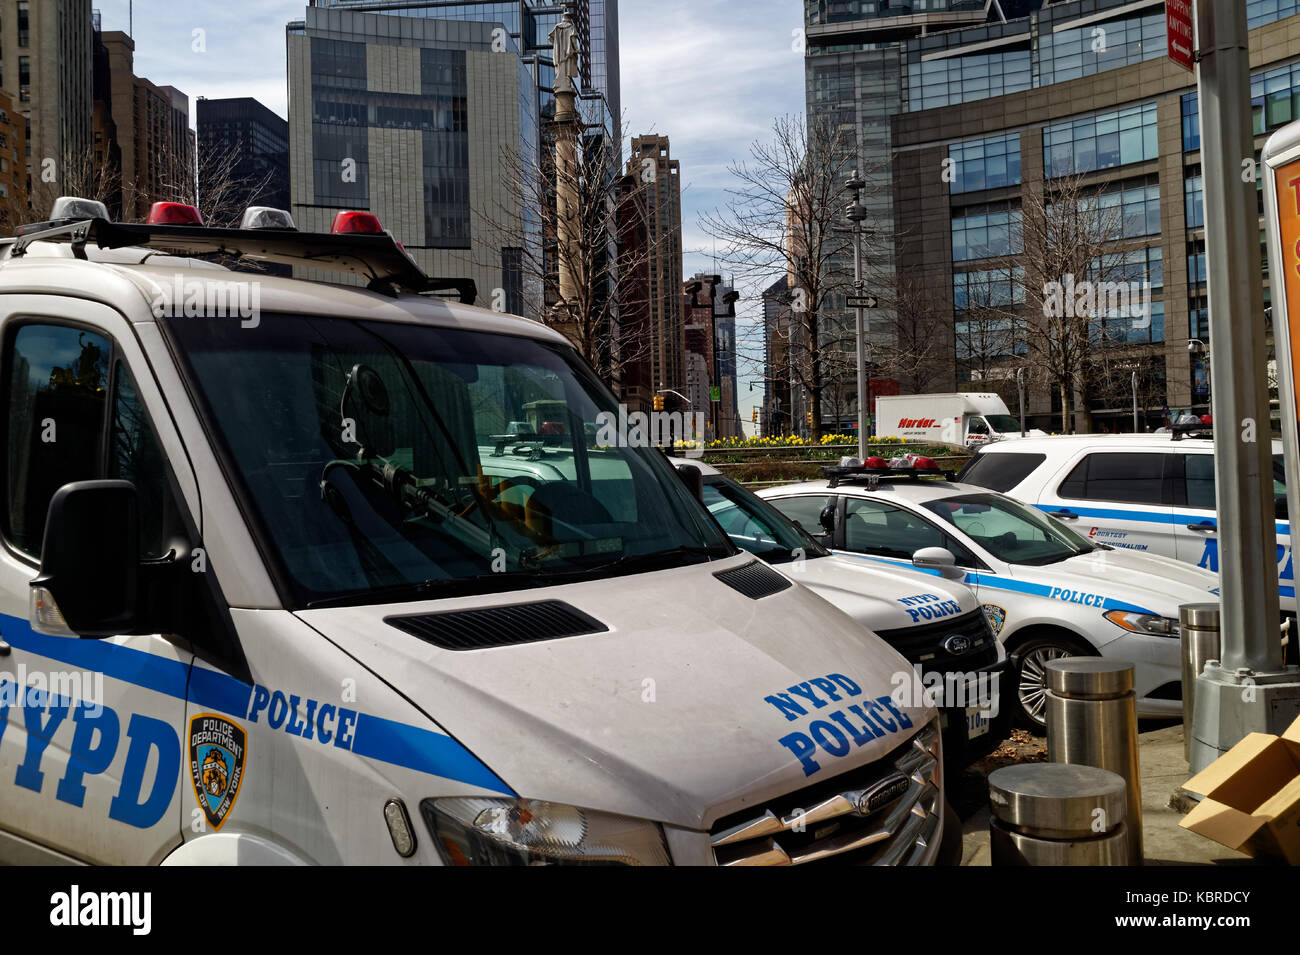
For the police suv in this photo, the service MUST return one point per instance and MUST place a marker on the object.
(263, 600)
(1047, 591)
(1148, 493)
(937, 624)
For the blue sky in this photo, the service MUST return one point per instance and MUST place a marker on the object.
(709, 74)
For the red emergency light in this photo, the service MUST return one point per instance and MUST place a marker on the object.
(875, 462)
(366, 222)
(173, 213)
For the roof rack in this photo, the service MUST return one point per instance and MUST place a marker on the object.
(375, 257)
(836, 473)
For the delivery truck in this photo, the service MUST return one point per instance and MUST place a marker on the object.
(966, 420)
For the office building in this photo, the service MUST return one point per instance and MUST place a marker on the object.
(243, 140)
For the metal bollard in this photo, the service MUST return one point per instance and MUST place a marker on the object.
(1092, 721)
(1057, 814)
(1199, 628)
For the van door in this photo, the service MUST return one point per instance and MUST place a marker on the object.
(1120, 498)
(1196, 510)
(91, 762)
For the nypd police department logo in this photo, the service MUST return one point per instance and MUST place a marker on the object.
(997, 616)
(217, 749)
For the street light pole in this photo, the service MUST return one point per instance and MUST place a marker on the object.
(856, 213)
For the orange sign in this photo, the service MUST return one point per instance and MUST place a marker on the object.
(1288, 226)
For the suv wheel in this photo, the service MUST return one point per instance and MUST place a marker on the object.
(1028, 663)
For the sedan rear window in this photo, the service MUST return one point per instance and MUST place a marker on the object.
(1000, 471)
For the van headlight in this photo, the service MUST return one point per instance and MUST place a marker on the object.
(486, 831)
(1146, 623)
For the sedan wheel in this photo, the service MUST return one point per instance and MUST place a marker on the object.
(1030, 663)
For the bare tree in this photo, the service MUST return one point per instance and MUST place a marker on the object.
(607, 268)
(785, 214)
(1070, 234)
(914, 351)
(80, 175)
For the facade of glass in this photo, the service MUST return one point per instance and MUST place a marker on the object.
(402, 117)
(1099, 142)
(988, 163)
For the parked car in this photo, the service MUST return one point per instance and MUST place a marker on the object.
(1048, 591)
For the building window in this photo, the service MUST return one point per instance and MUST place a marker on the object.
(985, 163)
(962, 79)
(1101, 142)
(986, 232)
(24, 79)
(992, 289)
(1260, 12)
(1099, 46)
(23, 24)
(1194, 201)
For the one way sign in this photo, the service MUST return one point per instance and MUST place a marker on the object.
(859, 301)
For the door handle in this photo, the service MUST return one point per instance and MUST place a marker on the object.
(1063, 516)
(1203, 526)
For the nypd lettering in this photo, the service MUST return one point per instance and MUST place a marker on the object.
(1077, 597)
(97, 734)
(929, 607)
(834, 732)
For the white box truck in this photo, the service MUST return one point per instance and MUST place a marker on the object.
(964, 419)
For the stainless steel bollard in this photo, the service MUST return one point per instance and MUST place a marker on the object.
(1198, 625)
(1057, 814)
(1092, 721)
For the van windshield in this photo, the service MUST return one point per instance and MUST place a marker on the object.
(385, 462)
(1003, 423)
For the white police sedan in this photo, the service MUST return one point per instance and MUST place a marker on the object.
(1048, 592)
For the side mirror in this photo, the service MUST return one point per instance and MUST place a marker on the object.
(693, 478)
(90, 562)
(940, 559)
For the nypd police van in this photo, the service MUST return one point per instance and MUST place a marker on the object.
(1048, 592)
(262, 599)
(1150, 494)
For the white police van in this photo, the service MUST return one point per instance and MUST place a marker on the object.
(1049, 592)
(261, 600)
(1151, 493)
(937, 624)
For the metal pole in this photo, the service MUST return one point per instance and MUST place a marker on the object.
(1020, 387)
(1092, 721)
(862, 352)
(1242, 451)
(1135, 402)
(1198, 629)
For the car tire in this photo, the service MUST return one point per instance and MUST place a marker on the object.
(1029, 678)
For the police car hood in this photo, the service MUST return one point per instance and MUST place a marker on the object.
(664, 715)
(1118, 578)
(879, 595)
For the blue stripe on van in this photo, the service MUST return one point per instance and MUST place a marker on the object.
(412, 747)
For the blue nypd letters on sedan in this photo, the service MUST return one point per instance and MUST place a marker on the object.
(835, 732)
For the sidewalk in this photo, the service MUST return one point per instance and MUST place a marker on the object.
(1160, 752)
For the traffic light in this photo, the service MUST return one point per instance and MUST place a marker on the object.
(808, 418)
(659, 403)
(753, 415)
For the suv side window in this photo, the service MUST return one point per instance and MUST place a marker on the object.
(1199, 476)
(74, 415)
(1121, 478)
(57, 380)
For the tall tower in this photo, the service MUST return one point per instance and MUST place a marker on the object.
(656, 175)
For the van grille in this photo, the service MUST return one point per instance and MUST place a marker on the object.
(924, 643)
(498, 626)
(884, 813)
(755, 580)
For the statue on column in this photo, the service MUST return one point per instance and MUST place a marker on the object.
(564, 51)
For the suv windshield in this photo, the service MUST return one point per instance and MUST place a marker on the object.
(755, 525)
(1010, 531)
(390, 461)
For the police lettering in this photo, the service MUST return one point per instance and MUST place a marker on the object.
(834, 732)
(309, 718)
(929, 607)
(1077, 597)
